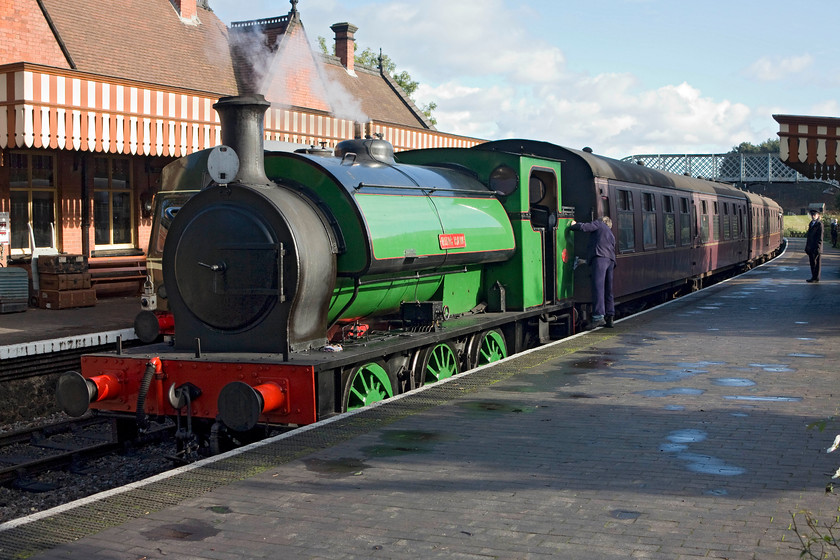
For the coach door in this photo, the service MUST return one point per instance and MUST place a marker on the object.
(542, 197)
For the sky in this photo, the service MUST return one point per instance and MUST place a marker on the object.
(624, 77)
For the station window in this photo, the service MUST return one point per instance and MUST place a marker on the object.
(670, 221)
(685, 222)
(112, 208)
(33, 195)
(626, 222)
(649, 220)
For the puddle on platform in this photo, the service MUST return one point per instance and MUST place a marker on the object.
(716, 492)
(667, 375)
(769, 399)
(392, 450)
(670, 392)
(624, 514)
(187, 531)
(706, 464)
(774, 368)
(490, 406)
(344, 466)
(577, 396)
(674, 407)
(702, 364)
(678, 442)
(805, 338)
(802, 355)
(221, 510)
(687, 436)
(400, 442)
(733, 382)
(414, 436)
(593, 363)
(515, 388)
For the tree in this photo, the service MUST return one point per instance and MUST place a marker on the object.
(769, 146)
(369, 58)
(731, 164)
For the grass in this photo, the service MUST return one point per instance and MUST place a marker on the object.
(796, 226)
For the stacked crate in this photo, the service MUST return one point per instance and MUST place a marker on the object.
(64, 282)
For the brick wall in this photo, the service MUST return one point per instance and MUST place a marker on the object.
(27, 36)
(69, 175)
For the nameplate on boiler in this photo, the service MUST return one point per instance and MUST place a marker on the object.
(452, 240)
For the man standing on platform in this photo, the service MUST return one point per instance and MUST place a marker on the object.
(813, 245)
(600, 254)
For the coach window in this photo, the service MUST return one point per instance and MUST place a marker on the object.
(33, 195)
(704, 221)
(626, 222)
(670, 221)
(734, 221)
(715, 222)
(685, 222)
(112, 215)
(649, 220)
(726, 229)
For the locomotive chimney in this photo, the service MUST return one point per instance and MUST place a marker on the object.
(345, 44)
(242, 120)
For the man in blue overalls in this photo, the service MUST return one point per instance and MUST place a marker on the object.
(600, 254)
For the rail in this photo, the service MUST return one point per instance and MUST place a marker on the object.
(30, 451)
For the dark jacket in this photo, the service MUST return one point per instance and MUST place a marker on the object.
(814, 238)
(601, 242)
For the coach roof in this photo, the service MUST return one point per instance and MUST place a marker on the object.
(608, 168)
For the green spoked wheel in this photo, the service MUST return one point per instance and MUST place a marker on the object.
(490, 347)
(437, 362)
(367, 384)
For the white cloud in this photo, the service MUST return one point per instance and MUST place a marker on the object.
(826, 108)
(607, 112)
(492, 77)
(773, 69)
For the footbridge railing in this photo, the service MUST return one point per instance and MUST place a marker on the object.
(728, 168)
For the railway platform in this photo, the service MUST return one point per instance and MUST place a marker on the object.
(43, 331)
(681, 433)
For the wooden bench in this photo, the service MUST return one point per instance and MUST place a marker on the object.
(112, 276)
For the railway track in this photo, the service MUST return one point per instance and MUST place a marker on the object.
(27, 452)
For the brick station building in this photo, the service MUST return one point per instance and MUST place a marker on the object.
(97, 96)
